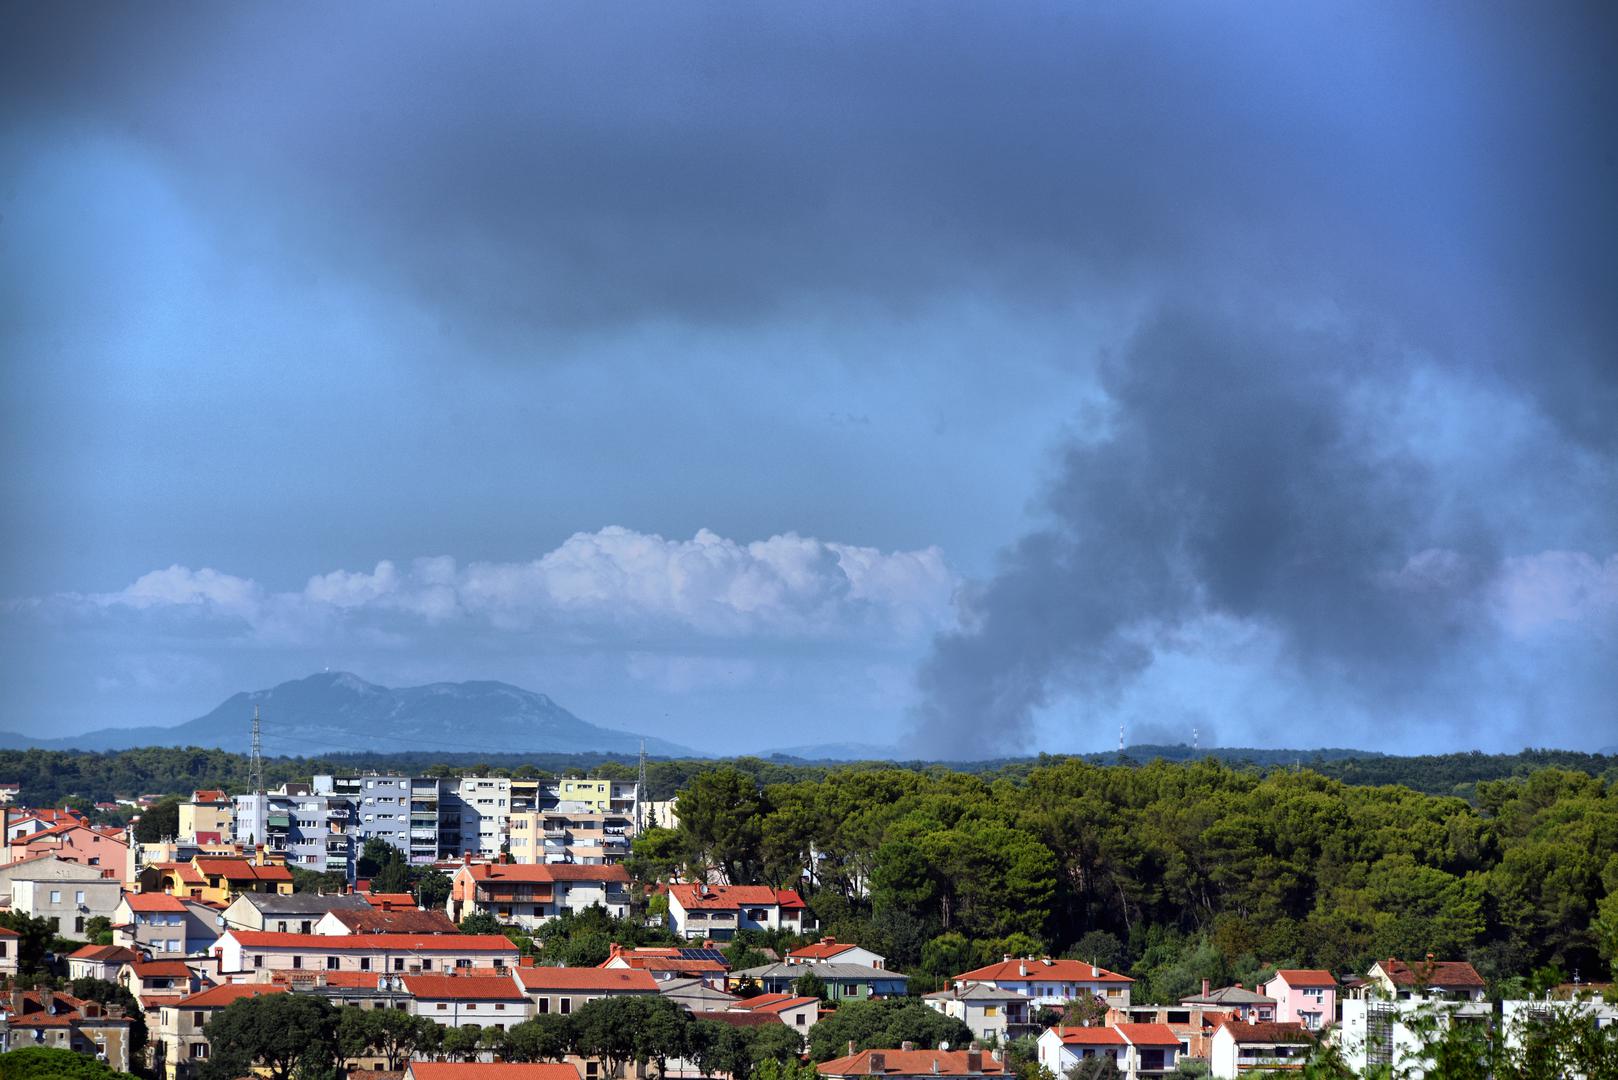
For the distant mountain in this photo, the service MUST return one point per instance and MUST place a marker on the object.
(835, 752)
(334, 712)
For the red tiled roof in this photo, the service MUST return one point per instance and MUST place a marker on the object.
(736, 1019)
(160, 969)
(669, 963)
(1149, 1034)
(824, 949)
(1038, 970)
(1443, 973)
(389, 899)
(1268, 1031)
(773, 1003)
(1306, 977)
(149, 901)
(458, 943)
(217, 997)
(911, 1063)
(103, 954)
(547, 872)
(694, 897)
(233, 868)
(624, 980)
(184, 871)
(504, 1070)
(1090, 1036)
(209, 795)
(299, 977)
(8, 933)
(463, 988)
(396, 921)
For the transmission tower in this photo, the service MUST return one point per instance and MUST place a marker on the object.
(1120, 737)
(640, 792)
(255, 766)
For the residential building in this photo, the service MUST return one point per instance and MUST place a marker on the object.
(476, 809)
(158, 982)
(9, 793)
(61, 1021)
(530, 894)
(1239, 1048)
(1194, 1024)
(663, 964)
(288, 913)
(178, 1047)
(305, 828)
(908, 1063)
(105, 962)
(798, 1013)
(1380, 1032)
(990, 1012)
(1138, 1050)
(1428, 980)
(571, 832)
(385, 920)
(843, 982)
(165, 924)
(1307, 996)
(561, 990)
(10, 941)
(1052, 982)
(208, 817)
(485, 1001)
(73, 841)
(216, 879)
(695, 995)
(718, 912)
(66, 893)
(1240, 1002)
(1516, 1016)
(830, 949)
(257, 953)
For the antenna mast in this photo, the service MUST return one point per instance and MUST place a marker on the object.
(640, 791)
(1120, 737)
(255, 766)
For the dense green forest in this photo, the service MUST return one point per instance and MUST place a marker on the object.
(50, 776)
(1173, 872)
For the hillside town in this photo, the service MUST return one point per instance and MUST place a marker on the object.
(454, 906)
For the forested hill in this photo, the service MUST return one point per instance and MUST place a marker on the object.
(49, 776)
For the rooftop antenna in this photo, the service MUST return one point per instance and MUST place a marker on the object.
(1120, 737)
(1194, 734)
(255, 766)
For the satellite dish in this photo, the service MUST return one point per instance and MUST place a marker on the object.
(943, 1046)
(219, 919)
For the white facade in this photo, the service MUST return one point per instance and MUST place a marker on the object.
(1377, 1031)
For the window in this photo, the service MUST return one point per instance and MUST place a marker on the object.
(426, 965)
(297, 961)
(365, 963)
(991, 1010)
(258, 960)
(398, 963)
(567, 1006)
(544, 1004)
(463, 963)
(443, 1007)
(78, 896)
(499, 1006)
(197, 1019)
(78, 925)
(56, 896)
(199, 1050)
(331, 963)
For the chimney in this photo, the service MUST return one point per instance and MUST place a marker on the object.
(1022, 969)
(114, 1011)
(877, 1064)
(974, 1061)
(47, 1001)
(1047, 961)
(1095, 972)
(1005, 958)
(1204, 987)
(851, 1048)
(17, 1002)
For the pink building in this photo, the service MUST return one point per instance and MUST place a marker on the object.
(1308, 997)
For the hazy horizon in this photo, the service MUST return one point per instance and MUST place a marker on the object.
(968, 377)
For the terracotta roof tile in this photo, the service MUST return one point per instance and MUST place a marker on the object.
(623, 980)
(1039, 970)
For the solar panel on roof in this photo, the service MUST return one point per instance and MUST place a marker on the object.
(702, 954)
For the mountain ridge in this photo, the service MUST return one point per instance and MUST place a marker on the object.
(340, 711)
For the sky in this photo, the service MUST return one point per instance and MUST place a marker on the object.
(971, 379)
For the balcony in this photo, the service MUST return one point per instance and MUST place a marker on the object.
(515, 896)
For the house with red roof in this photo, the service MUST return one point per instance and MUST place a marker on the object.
(830, 950)
(469, 1000)
(1305, 995)
(208, 817)
(909, 1063)
(257, 953)
(105, 962)
(154, 982)
(1052, 982)
(664, 964)
(178, 1046)
(1428, 980)
(385, 920)
(529, 894)
(56, 1020)
(718, 912)
(562, 989)
(1138, 1050)
(798, 1013)
(72, 840)
(165, 925)
(1240, 1048)
(217, 879)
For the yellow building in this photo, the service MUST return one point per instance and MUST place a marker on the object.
(216, 879)
(207, 819)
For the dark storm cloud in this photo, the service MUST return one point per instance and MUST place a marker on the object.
(1311, 210)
